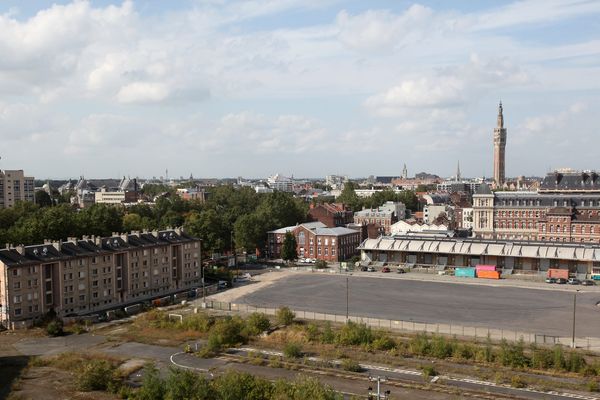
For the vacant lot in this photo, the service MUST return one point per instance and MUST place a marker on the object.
(532, 310)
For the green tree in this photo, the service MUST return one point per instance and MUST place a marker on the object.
(209, 226)
(132, 222)
(42, 198)
(186, 385)
(99, 219)
(289, 250)
(153, 387)
(250, 232)
(285, 316)
(349, 197)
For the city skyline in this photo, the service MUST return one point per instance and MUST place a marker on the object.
(111, 88)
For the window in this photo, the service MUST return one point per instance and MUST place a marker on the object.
(301, 238)
(17, 285)
(17, 299)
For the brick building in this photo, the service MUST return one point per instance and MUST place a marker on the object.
(85, 276)
(566, 208)
(316, 240)
(331, 214)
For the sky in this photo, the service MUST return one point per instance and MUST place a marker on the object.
(251, 88)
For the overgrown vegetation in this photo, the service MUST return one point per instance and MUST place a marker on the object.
(102, 374)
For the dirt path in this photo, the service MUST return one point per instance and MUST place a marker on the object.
(256, 283)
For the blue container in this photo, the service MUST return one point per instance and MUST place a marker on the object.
(467, 272)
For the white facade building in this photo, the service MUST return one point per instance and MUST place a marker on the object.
(281, 183)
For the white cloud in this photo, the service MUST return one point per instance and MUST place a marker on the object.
(143, 92)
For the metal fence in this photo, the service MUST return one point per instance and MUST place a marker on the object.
(415, 327)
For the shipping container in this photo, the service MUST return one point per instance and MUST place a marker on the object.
(488, 274)
(468, 272)
(481, 267)
(558, 273)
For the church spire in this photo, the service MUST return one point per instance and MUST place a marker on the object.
(458, 171)
(500, 116)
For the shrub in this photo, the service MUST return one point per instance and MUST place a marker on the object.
(184, 384)
(463, 351)
(592, 386)
(227, 332)
(384, 342)
(55, 328)
(575, 362)
(285, 316)
(292, 350)
(303, 388)
(419, 344)
(328, 336)
(558, 361)
(355, 334)
(351, 365)
(235, 385)
(517, 381)
(428, 371)
(312, 332)
(440, 347)
(321, 264)
(198, 322)
(96, 375)
(153, 387)
(541, 358)
(512, 354)
(257, 323)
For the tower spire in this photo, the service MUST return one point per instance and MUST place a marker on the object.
(500, 116)
(458, 171)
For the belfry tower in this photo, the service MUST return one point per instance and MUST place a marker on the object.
(499, 150)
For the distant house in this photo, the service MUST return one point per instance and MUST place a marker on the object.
(332, 215)
(316, 240)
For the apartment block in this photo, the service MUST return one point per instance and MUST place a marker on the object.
(15, 186)
(92, 274)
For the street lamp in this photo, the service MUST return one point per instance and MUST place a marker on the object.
(574, 309)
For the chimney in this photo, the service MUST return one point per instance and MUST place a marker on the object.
(57, 245)
(155, 233)
(21, 249)
(125, 237)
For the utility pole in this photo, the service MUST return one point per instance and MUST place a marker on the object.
(574, 310)
(203, 286)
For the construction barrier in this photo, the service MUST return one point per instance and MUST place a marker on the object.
(488, 274)
(485, 267)
(468, 272)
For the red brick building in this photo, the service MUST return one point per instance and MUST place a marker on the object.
(332, 215)
(316, 240)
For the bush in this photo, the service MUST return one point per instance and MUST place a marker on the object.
(321, 264)
(285, 316)
(55, 328)
(512, 354)
(96, 375)
(419, 345)
(351, 365)
(153, 387)
(428, 371)
(463, 351)
(257, 323)
(226, 332)
(440, 347)
(292, 350)
(304, 388)
(353, 334)
(592, 386)
(517, 382)
(198, 322)
(328, 336)
(575, 362)
(184, 384)
(384, 342)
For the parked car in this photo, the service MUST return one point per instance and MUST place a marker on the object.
(573, 281)
(371, 269)
(561, 281)
(386, 269)
(401, 271)
(550, 280)
(364, 268)
(588, 282)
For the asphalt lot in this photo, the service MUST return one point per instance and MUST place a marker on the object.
(529, 310)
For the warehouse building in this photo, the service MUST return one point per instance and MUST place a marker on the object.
(581, 260)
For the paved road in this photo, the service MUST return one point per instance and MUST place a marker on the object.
(530, 310)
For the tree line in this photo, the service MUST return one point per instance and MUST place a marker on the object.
(350, 198)
(231, 216)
